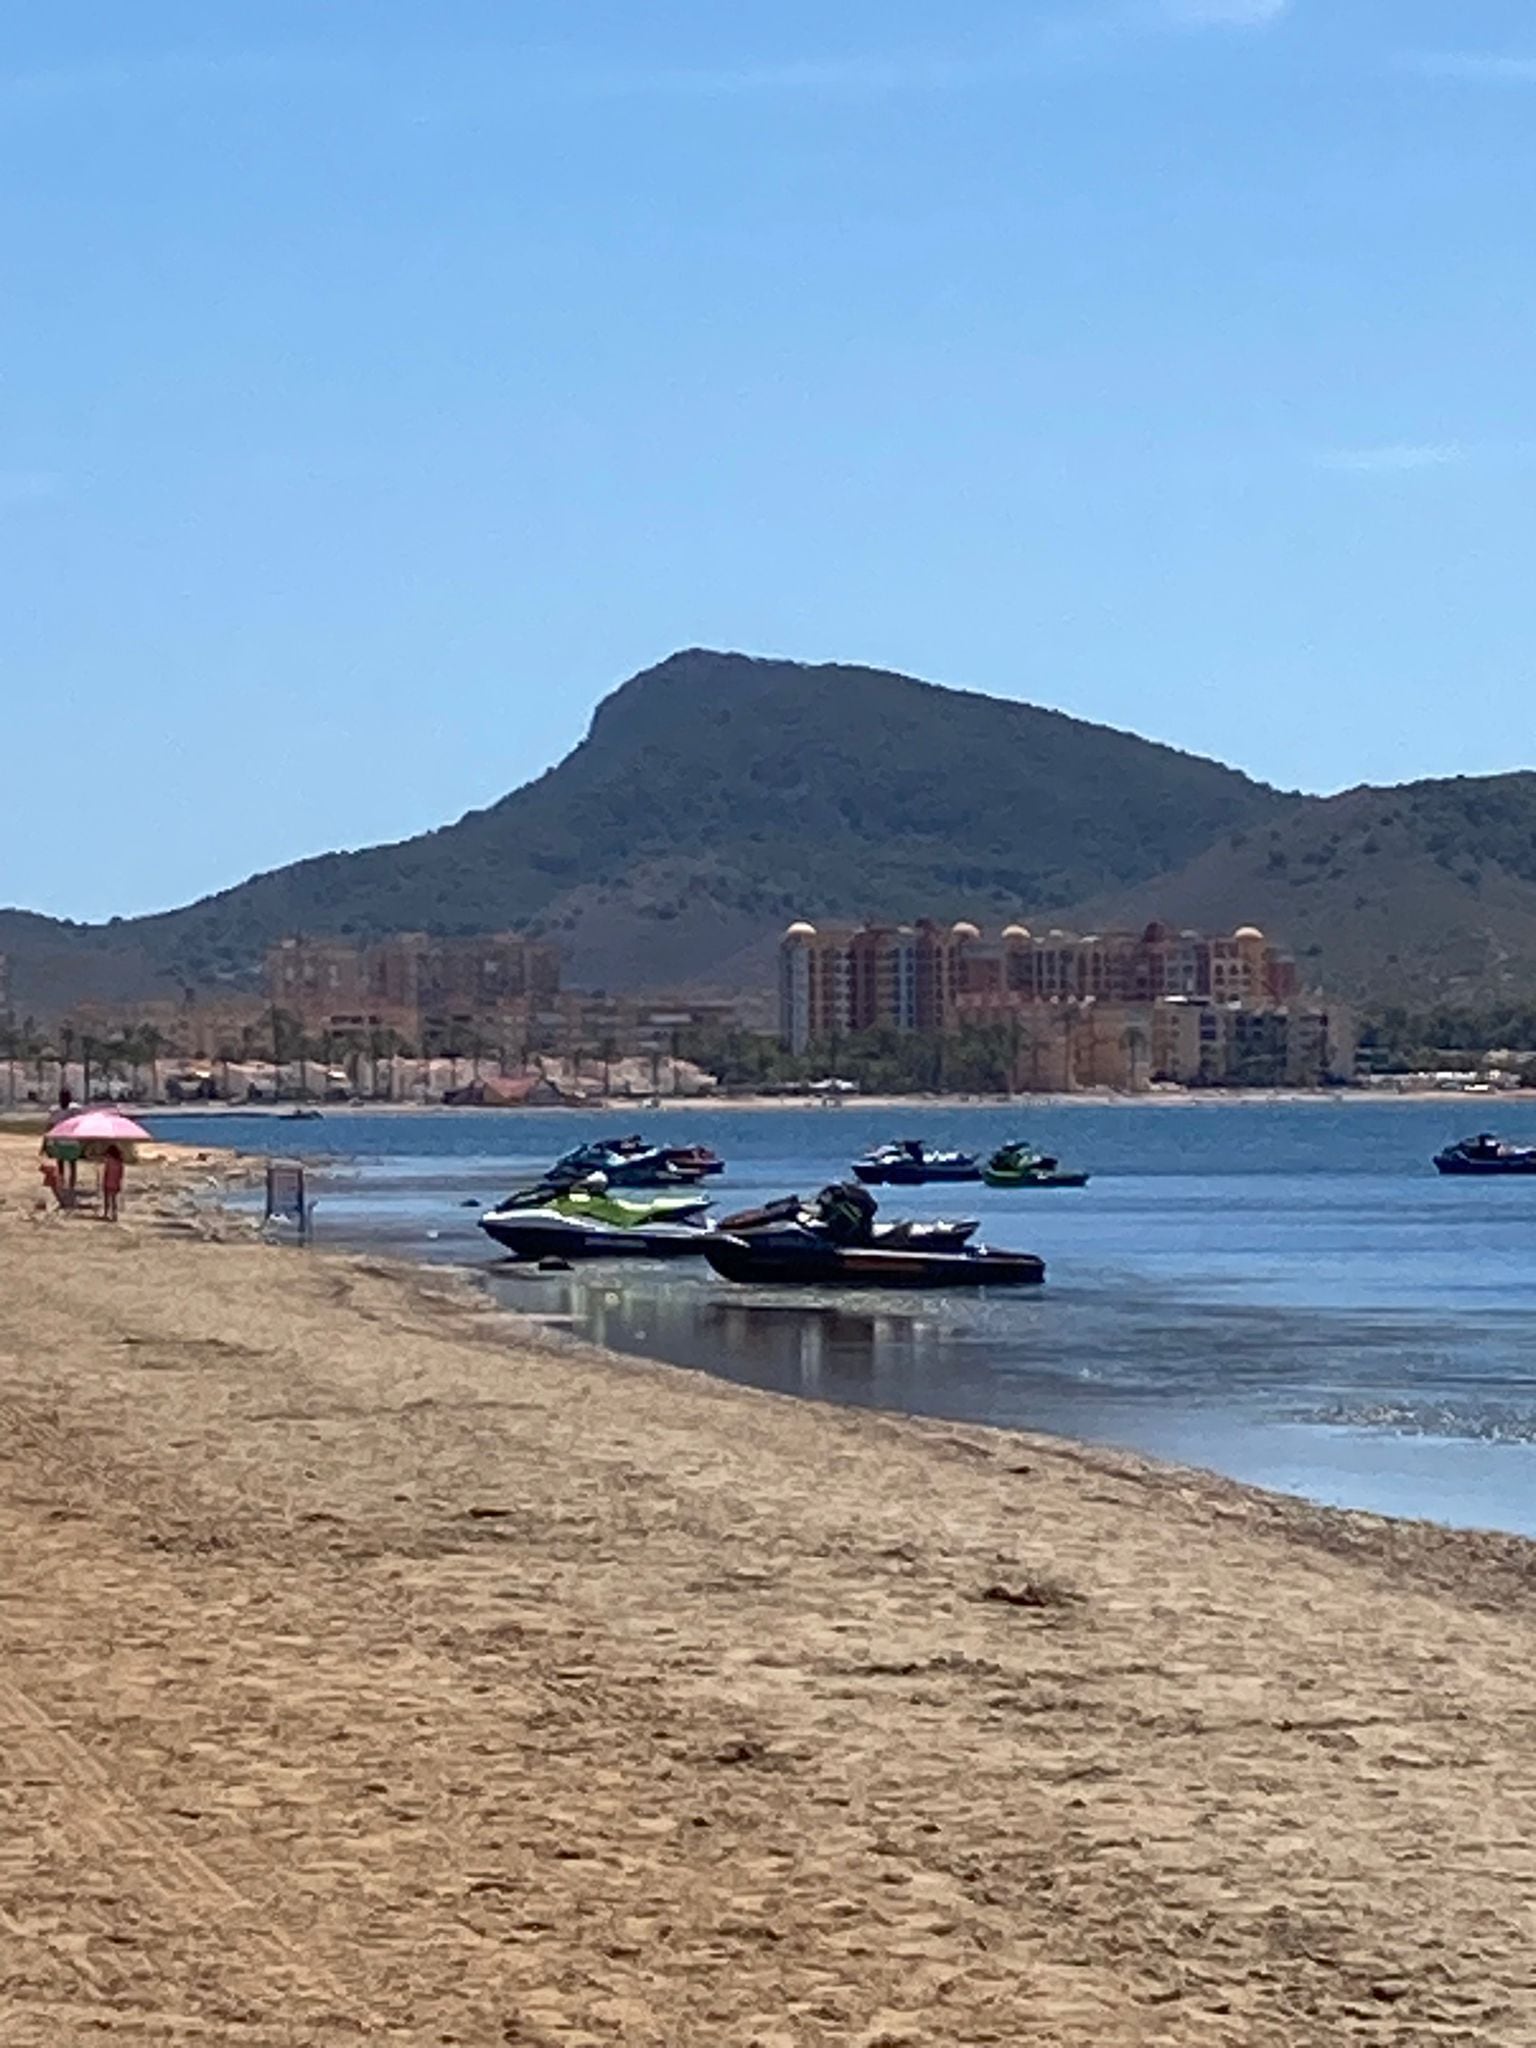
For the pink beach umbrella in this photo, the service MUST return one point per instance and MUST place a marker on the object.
(101, 1126)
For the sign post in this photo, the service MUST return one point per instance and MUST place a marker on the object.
(288, 1196)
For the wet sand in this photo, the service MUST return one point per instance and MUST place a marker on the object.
(375, 1667)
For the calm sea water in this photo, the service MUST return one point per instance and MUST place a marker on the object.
(1283, 1292)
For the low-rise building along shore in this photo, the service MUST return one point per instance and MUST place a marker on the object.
(496, 994)
(403, 1018)
(424, 990)
(1108, 1009)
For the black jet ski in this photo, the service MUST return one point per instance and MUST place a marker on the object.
(907, 1233)
(908, 1163)
(625, 1163)
(836, 1241)
(1486, 1154)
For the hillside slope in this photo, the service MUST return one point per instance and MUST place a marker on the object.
(1415, 894)
(717, 795)
(714, 796)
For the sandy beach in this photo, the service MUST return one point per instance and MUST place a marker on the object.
(376, 1666)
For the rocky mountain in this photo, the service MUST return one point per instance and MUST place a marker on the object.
(715, 796)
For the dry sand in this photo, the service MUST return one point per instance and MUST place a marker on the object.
(374, 1668)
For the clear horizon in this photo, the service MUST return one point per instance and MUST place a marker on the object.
(383, 390)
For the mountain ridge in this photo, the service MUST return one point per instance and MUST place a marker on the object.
(714, 795)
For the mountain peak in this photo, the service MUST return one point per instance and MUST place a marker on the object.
(717, 794)
(694, 679)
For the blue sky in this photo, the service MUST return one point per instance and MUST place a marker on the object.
(382, 382)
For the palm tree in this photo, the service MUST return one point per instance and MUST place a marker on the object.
(288, 1043)
(11, 1038)
(1136, 1045)
(40, 1049)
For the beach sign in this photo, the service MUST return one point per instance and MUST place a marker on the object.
(287, 1195)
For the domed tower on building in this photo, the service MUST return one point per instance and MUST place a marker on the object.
(813, 986)
(1019, 977)
(1251, 951)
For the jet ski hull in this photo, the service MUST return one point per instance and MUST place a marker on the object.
(777, 1262)
(996, 1178)
(912, 1233)
(527, 1234)
(896, 1174)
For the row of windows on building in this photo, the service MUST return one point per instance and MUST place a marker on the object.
(1112, 1009)
(397, 978)
(927, 976)
(499, 991)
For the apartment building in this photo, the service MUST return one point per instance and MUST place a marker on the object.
(923, 976)
(1106, 1009)
(834, 979)
(427, 990)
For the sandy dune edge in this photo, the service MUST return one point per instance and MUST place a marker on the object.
(374, 1668)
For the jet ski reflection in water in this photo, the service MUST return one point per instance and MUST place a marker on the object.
(835, 1240)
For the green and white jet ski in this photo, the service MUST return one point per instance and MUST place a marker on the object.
(589, 1221)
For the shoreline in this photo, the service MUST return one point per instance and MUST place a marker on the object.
(389, 1668)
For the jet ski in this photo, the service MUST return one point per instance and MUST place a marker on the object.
(835, 1241)
(693, 1159)
(917, 1233)
(588, 1221)
(908, 1163)
(627, 1163)
(1486, 1154)
(1017, 1165)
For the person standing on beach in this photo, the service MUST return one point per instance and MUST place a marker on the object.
(111, 1181)
(68, 1155)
